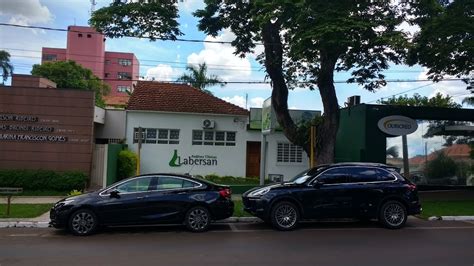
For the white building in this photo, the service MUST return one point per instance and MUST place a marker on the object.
(185, 130)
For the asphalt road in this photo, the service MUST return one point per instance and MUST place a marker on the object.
(322, 243)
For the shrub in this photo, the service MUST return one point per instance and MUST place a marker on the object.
(127, 164)
(232, 180)
(440, 167)
(43, 179)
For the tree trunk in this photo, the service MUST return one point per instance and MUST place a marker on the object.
(273, 65)
(326, 132)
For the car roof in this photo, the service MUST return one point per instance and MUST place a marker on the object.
(380, 165)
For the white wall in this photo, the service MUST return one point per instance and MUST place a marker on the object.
(288, 170)
(156, 157)
(231, 159)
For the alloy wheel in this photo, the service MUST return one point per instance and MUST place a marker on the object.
(198, 219)
(394, 214)
(83, 223)
(286, 216)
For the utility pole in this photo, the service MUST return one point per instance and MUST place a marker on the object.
(140, 130)
(93, 4)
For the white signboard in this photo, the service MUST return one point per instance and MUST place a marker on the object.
(397, 125)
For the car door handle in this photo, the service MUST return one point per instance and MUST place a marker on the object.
(142, 197)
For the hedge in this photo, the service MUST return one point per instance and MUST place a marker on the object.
(126, 164)
(43, 180)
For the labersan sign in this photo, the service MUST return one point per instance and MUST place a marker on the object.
(397, 125)
(199, 160)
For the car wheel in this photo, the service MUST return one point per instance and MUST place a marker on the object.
(198, 219)
(393, 214)
(284, 216)
(83, 222)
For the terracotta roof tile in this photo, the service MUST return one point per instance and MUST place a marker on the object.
(116, 100)
(181, 98)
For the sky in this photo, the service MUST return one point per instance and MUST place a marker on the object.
(166, 60)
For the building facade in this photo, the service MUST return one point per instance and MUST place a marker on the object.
(184, 130)
(86, 47)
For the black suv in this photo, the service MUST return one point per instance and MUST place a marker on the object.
(343, 190)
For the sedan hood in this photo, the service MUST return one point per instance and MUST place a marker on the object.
(271, 186)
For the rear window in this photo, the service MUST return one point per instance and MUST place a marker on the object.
(369, 174)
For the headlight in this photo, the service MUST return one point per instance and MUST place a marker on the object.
(259, 192)
(64, 202)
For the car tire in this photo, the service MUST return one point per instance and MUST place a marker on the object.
(197, 219)
(284, 216)
(83, 222)
(393, 214)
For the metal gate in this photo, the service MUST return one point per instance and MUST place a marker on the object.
(99, 166)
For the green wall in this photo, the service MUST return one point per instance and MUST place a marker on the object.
(112, 158)
(360, 140)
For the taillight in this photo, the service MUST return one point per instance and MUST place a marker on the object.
(225, 192)
(411, 187)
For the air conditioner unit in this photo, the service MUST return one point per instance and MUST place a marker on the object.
(208, 124)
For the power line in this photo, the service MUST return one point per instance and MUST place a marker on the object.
(393, 95)
(98, 61)
(129, 36)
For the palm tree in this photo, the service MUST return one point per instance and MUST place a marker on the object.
(198, 78)
(7, 67)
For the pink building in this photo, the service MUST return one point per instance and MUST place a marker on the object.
(87, 47)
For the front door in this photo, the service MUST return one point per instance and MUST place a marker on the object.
(130, 206)
(332, 197)
(253, 159)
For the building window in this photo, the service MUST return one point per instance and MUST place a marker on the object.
(289, 153)
(213, 138)
(121, 88)
(79, 35)
(50, 57)
(106, 75)
(124, 62)
(89, 36)
(124, 75)
(157, 136)
(107, 62)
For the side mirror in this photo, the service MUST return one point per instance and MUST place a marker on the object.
(114, 194)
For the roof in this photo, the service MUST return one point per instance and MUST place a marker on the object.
(458, 151)
(180, 98)
(116, 100)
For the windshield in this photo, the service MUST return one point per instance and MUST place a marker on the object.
(306, 174)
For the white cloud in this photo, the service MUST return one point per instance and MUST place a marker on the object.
(456, 89)
(256, 102)
(25, 12)
(240, 101)
(220, 59)
(162, 72)
(237, 100)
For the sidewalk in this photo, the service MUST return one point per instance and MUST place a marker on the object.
(32, 199)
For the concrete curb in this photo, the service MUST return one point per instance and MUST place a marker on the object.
(451, 218)
(24, 224)
(8, 223)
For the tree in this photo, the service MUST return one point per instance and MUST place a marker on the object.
(417, 100)
(445, 42)
(304, 42)
(392, 152)
(198, 78)
(436, 127)
(7, 67)
(69, 75)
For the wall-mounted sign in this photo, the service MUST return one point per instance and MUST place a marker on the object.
(397, 125)
(268, 116)
(199, 160)
(27, 128)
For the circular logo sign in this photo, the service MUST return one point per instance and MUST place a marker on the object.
(397, 125)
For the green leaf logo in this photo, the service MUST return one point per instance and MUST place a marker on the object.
(174, 162)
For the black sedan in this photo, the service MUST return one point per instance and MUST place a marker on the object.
(146, 199)
(345, 190)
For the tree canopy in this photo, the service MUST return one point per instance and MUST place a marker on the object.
(70, 75)
(199, 78)
(439, 100)
(7, 67)
(445, 42)
(306, 41)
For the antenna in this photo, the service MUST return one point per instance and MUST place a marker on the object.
(93, 4)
